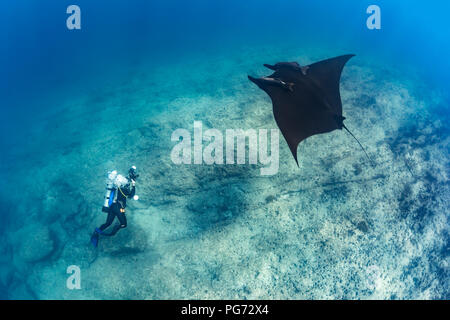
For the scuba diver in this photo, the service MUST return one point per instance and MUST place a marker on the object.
(118, 189)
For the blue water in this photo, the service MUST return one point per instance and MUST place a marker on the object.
(76, 102)
(39, 53)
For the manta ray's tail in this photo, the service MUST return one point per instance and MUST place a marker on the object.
(371, 162)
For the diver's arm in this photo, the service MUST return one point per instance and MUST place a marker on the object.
(133, 191)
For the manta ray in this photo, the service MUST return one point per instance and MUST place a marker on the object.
(306, 99)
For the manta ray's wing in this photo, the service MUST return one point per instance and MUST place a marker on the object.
(326, 75)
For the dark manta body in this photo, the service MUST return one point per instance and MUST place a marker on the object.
(306, 100)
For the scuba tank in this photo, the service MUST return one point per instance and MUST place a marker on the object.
(113, 182)
(110, 191)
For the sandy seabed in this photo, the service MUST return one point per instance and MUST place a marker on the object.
(335, 228)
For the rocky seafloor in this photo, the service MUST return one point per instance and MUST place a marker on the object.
(334, 228)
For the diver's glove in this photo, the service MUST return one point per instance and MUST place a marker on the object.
(133, 183)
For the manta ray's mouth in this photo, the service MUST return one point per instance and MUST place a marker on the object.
(269, 66)
(260, 82)
(254, 80)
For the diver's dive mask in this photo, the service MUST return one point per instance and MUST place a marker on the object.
(132, 173)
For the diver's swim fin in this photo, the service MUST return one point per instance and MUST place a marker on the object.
(94, 237)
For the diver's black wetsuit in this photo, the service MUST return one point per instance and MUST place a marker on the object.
(117, 209)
